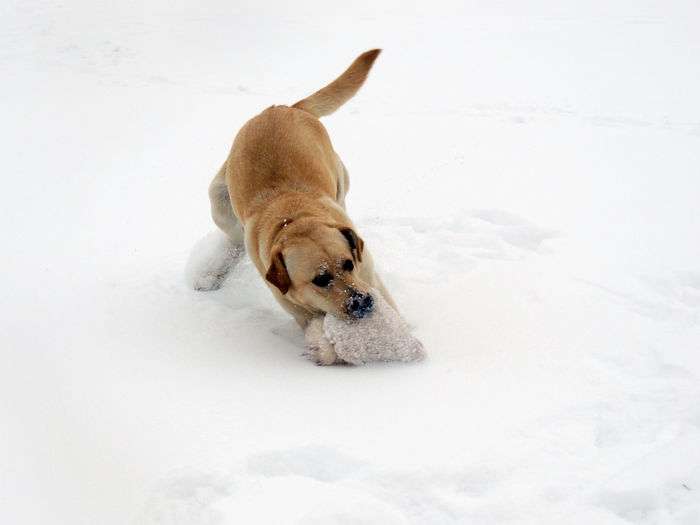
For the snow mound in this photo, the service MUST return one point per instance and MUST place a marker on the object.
(382, 336)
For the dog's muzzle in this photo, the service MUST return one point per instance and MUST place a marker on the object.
(359, 305)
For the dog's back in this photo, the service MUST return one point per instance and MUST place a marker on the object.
(281, 149)
(284, 148)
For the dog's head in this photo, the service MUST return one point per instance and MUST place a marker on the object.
(316, 266)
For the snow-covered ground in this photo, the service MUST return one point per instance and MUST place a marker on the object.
(528, 178)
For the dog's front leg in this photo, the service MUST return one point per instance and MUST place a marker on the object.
(211, 260)
(319, 348)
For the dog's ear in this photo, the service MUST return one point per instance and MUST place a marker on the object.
(277, 272)
(355, 241)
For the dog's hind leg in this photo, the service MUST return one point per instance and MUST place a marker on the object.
(232, 249)
(221, 209)
(343, 184)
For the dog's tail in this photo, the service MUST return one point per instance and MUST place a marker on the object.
(326, 100)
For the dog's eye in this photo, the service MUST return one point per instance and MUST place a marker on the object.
(348, 266)
(322, 280)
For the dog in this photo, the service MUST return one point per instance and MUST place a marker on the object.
(280, 197)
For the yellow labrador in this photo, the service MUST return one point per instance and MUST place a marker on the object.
(280, 196)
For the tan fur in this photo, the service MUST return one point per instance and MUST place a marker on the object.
(282, 193)
(326, 100)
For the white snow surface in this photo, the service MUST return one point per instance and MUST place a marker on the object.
(526, 176)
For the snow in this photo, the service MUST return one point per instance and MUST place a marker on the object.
(383, 335)
(526, 176)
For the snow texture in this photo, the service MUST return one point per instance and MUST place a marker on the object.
(381, 336)
(525, 175)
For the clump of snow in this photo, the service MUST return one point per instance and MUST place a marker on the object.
(381, 336)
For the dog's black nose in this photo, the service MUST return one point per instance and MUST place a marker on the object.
(360, 304)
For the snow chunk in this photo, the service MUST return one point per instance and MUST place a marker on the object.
(381, 336)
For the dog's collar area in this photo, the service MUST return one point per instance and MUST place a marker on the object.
(280, 227)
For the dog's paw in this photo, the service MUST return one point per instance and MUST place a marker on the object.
(210, 261)
(323, 355)
(318, 348)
